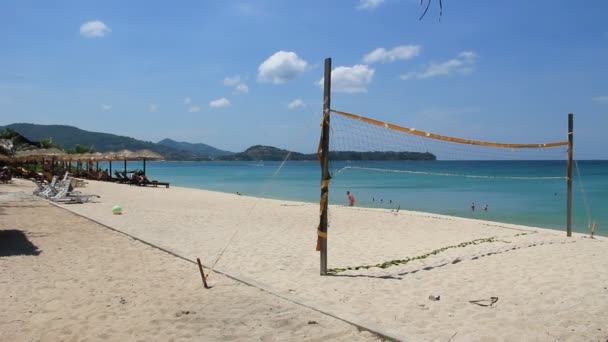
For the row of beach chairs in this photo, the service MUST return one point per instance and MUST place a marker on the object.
(62, 190)
(137, 178)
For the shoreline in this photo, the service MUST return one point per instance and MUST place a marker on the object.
(501, 224)
(270, 243)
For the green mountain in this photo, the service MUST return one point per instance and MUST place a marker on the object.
(68, 137)
(198, 149)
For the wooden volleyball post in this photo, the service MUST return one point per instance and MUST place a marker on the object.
(323, 155)
(569, 175)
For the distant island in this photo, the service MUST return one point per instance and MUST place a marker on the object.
(270, 153)
(69, 137)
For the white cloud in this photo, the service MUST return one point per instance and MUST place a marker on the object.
(219, 103)
(601, 99)
(152, 107)
(281, 67)
(187, 100)
(403, 52)
(242, 88)
(94, 29)
(194, 109)
(232, 81)
(297, 103)
(106, 107)
(369, 4)
(235, 82)
(353, 79)
(463, 64)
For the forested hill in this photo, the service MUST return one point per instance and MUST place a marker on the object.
(68, 137)
(260, 152)
(199, 149)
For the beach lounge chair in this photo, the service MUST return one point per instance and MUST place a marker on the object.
(121, 177)
(66, 196)
(39, 187)
(48, 190)
(142, 180)
(155, 183)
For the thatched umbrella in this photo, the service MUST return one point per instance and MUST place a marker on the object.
(147, 154)
(95, 157)
(98, 156)
(121, 155)
(39, 154)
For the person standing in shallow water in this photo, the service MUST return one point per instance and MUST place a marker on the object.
(351, 198)
(472, 206)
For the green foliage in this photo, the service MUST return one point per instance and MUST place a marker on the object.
(8, 133)
(48, 143)
(81, 149)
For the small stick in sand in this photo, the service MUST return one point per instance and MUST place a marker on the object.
(200, 268)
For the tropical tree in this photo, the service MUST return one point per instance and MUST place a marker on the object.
(81, 149)
(47, 143)
(8, 133)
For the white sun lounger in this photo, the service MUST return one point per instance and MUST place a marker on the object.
(66, 196)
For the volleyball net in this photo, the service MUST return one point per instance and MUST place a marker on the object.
(392, 166)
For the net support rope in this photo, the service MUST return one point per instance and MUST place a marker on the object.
(445, 137)
(583, 194)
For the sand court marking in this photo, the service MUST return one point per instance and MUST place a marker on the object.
(361, 326)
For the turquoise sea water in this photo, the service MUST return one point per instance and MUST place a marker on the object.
(533, 202)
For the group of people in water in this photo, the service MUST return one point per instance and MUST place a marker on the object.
(351, 202)
(485, 207)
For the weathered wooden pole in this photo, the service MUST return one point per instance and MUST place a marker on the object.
(144, 166)
(110, 173)
(200, 268)
(324, 159)
(569, 175)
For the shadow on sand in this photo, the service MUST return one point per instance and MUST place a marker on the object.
(15, 242)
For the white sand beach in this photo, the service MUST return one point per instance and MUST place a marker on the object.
(90, 282)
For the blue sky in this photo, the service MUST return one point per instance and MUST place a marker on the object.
(237, 73)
